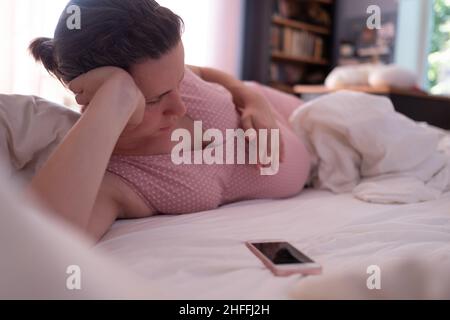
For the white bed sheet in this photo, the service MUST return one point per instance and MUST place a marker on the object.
(202, 256)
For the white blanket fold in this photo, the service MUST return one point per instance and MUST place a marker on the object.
(360, 144)
(30, 129)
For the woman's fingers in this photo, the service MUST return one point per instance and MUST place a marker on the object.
(77, 84)
(84, 108)
(265, 149)
(282, 150)
(247, 124)
(77, 87)
(82, 99)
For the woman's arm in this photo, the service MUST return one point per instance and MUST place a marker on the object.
(237, 88)
(256, 112)
(70, 180)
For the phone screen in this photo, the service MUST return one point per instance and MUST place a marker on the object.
(281, 253)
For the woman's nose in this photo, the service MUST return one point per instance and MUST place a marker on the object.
(175, 106)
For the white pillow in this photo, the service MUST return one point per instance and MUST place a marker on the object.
(30, 129)
(375, 75)
(393, 76)
(344, 76)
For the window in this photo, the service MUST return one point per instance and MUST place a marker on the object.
(213, 31)
(21, 21)
(212, 38)
(439, 58)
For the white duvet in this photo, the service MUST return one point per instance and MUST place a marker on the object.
(361, 145)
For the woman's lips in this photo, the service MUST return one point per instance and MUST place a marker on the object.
(172, 123)
(167, 128)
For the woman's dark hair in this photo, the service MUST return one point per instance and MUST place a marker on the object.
(115, 33)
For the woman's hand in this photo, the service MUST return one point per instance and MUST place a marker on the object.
(86, 87)
(256, 113)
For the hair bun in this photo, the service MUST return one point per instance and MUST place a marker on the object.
(42, 49)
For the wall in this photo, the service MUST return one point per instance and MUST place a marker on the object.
(350, 9)
(413, 29)
(357, 8)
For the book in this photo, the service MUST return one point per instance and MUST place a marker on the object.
(297, 43)
(285, 73)
(276, 43)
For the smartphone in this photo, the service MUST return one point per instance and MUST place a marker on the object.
(283, 259)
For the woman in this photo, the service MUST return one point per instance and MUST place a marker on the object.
(126, 67)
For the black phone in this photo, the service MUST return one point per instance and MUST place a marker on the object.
(282, 258)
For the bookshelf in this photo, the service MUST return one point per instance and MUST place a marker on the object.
(280, 56)
(288, 42)
(277, 20)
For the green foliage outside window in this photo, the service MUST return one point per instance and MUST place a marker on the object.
(439, 58)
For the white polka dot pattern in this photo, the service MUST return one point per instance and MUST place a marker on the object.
(173, 189)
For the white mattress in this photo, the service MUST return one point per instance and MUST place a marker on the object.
(202, 256)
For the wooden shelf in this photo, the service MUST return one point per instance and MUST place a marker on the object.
(323, 1)
(300, 25)
(279, 51)
(321, 89)
(293, 59)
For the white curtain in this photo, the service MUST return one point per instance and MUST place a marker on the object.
(213, 32)
(21, 22)
(212, 38)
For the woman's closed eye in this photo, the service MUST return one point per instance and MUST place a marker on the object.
(152, 103)
(157, 100)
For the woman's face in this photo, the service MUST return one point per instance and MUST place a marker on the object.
(159, 80)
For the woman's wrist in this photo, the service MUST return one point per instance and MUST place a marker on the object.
(242, 95)
(116, 102)
(239, 91)
(133, 98)
(127, 95)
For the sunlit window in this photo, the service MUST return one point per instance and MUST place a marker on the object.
(206, 41)
(198, 20)
(22, 21)
(439, 59)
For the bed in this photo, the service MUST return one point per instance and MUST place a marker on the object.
(202, 255)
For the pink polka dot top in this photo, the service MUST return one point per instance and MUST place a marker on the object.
(179, 189)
